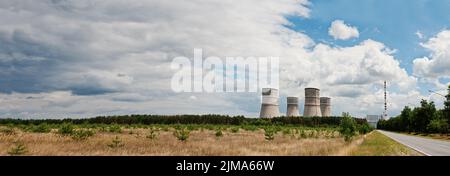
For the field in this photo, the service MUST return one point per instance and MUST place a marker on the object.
(167, 140)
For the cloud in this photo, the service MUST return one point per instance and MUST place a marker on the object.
(437, 64)
(419, 35)
(81, 58)
(340, 30)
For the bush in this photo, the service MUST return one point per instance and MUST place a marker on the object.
(235, 129)
(364, 128)
(82, 134)
(41, 128)
(116, 142)
(219, 133)
(182, 134)
(303, 134)
(438, 126)
(66, 129)
(269, 133)
(115, 129)
(18, 149)
(153, 133)
(347, 128)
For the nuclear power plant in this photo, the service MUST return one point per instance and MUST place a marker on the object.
(325, 106)
(315, 106)
(292, 107)
(269, 103)
(312, 103)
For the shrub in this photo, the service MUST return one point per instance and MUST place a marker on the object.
(18, 149)
(286, 131)
(182, 134)
(303, 134)
(235, 129)
(116, 142)
(347, 128)
(82, 134)
(66, 129)
(364, 128)
(269, 133)
(41, 128)
(153, 133)
(115, 129)
(219, 133)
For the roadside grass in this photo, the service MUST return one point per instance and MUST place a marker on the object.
(444, 137)
(377, 144)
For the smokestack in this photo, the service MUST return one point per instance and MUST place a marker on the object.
(292, 107)
(269, 104)
(325, 106)
(312, 102)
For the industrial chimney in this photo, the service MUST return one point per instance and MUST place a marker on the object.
(292, 107)
(325, 106)
(269, 104)
(312, 103)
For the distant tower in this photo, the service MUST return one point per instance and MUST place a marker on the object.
(270, 103)
(385, 101)
(292, 107)
(325, 106)
(312, 102)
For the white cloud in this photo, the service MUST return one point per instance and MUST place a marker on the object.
(113, 57)
(437, 64)
(419, 35)
(342, 31)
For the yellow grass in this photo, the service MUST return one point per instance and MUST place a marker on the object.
(242, 143)
(377, 144)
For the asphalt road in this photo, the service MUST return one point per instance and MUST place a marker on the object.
(430, 147)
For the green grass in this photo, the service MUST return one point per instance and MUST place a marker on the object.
(444, 137)
(377, 144)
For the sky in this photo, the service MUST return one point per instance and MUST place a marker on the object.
(83, 58)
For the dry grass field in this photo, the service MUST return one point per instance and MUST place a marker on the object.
(200, 142)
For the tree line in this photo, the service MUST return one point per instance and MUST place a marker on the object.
(423, 119)
(187, 119)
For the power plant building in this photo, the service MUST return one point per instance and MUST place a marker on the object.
(292, 107)
(312, 103)
(269, 103)
(325, 106)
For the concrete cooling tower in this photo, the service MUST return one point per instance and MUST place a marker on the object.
(325, 106)
(312, 103)
(292, 107)
(270, 103)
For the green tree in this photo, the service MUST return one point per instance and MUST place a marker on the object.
(424, 114)
(406, 119)
(347, 128)
(447, 106)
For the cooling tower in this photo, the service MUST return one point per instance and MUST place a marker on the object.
(325, 106)
(269, 103)
(292, 107)
(312, 102)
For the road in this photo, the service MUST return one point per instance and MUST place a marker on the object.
(430, 147)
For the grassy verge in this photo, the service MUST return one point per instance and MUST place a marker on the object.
(444, 137)
(377, 144)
